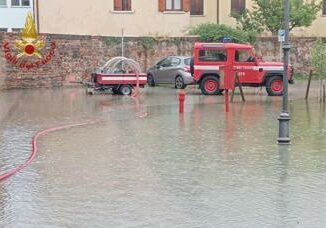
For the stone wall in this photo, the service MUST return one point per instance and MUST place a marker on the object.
(77, 56)
(300, 56)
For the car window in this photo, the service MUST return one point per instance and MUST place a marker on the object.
(160, 62)
(214, 55)
(166, 62)
(187, 61)
(243, 56)
(175, 61)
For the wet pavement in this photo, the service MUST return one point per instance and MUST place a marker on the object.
(205, 168)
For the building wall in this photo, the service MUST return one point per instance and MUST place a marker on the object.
(210, 14)
(78, 56)
(318, 28)
(14, 17)
(225, 12)
(98, 18)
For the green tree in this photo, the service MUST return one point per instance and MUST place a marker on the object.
(318, 58)
(269, 15)
(210, 32)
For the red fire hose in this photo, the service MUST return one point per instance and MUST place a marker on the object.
(12, 172)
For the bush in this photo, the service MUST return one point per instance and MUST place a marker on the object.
(319, 58)
(112, 41)
(209, 32)
(147, 42)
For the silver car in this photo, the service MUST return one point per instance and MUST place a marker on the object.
(171, 70)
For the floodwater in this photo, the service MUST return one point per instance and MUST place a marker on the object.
(144, 165)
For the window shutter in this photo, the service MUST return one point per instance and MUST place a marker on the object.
(238, 6)
(118, 5)
(161, 5)
(186, 5)
(129, 5)
(197, 7)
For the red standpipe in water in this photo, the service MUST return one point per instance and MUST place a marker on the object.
(182, 97)
(227, 102)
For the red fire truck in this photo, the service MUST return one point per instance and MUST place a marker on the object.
(252, 71)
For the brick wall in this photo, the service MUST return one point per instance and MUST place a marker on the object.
(78, 56)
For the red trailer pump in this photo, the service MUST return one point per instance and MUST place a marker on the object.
(119, 74)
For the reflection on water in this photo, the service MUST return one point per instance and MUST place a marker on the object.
(203, 168)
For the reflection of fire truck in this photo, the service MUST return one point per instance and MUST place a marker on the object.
(119, 75)
(252, 71)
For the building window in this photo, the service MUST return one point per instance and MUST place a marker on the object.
(3, 29)
(324, 7)
(173, 5)
(238, 6)
(25, 3)
(20, 3)
(3, 3)
(16, 30)
(197, 7)
(122, 5)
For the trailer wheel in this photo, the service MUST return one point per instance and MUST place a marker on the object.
(274, 86)
(89, 91)
(115, 90)
(125, 90)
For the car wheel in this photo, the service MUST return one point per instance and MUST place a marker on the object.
(150, 80)
(125, 90)
(210, 85)
(274, 86)
(179, 83)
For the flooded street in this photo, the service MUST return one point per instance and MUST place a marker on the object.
(144, 165)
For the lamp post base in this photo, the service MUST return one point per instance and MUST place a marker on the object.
(284, 126)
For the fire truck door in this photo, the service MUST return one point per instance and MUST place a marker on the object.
(245, 65)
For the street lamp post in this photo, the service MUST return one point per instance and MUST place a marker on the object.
(284, 118)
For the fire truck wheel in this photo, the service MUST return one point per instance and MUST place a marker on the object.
(179, 83)
(210, 86)
(150, 80)
(125, 90)
(274, 86)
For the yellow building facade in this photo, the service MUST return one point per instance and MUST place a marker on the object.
(144, 17)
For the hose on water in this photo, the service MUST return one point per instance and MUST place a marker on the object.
(32, 156)
(139, 113)
(35, 138)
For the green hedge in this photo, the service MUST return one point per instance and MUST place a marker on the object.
(209, 32)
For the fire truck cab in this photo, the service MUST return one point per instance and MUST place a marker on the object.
(252, 70)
